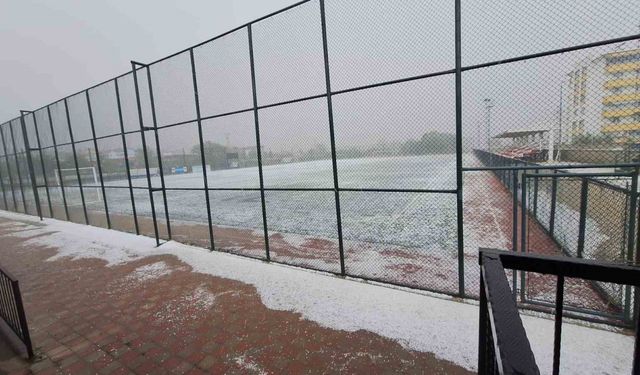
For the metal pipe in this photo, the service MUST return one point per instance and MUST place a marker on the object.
(459, 181)
(126, 158)
(95, 146)
(44, 173)
(334, 159)
(258, 147)
(202, 156)
(32, 174)
(157, 139)
(144, 152)
(75, 161)
(55, 150)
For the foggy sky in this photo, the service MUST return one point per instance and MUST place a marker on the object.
(51, 49)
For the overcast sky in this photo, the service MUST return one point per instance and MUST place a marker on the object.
(51, 49)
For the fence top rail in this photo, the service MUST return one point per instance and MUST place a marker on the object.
(567, 267)
(579, 174)
(552, 167)
(511, 346)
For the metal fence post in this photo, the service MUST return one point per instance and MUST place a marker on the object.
(552, 210)
(334, 161)
(44, 173)
(258, 147)
(523, 230)
(584, 192)
(6, 159)
(514, 225)
(55, 150)
(459, 183)
(15, 156)
(535, 195)
(32, 173)
(157, 139)
(4, 197)
(126, 157)
(631, 246)
(75, 162)
(144, 151)
(95, 146)
(202, 157)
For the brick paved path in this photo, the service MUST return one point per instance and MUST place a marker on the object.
(156, 316)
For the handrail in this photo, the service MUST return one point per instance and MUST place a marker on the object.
(503, 347)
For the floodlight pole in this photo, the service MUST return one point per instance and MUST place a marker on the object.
(488, 104)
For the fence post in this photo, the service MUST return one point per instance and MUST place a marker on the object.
(584, 192)
(483, 323)
(514, 225)
(202, 157)
(32, 173)
(6, 159)
(44, 173)
(126, 157)
(15, 156)
(552, 210)
(631, 237)
(144, 150)
(535, 195)
(75, 162)
(157, 139)
(459, 184)
(523, 229)
(258, 147)
(4, 197)
(336, 187)
(55, 151)
(95, 146)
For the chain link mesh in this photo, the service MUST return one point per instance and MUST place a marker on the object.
(331, 140)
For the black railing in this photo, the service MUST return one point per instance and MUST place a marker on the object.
(503, 344)
(12, 309)
(555, 203)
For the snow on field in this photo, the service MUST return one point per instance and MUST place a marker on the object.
(418, 321)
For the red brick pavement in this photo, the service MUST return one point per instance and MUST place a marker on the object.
(87, 318)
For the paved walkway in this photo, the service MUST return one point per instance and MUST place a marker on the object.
(154, 315)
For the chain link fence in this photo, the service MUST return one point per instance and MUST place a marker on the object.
(377, 140)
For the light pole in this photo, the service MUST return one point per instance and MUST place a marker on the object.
(488, 104)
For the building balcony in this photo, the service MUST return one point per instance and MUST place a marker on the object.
(625, 67)
(626, 112)
(622, 83)
(621, 98)
(612, 128)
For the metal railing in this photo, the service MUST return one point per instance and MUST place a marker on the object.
(503, 344)
(12, 309)
(559, 210)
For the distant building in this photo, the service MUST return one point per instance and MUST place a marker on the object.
(604, 98)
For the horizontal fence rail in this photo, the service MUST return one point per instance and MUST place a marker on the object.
(12, 309)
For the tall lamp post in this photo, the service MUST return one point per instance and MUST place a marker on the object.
(488, 104)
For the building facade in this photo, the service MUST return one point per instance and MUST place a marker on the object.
(603, 100)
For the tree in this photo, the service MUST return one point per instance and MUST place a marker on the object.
(215, 155)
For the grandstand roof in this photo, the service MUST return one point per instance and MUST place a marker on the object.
(520, 133)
